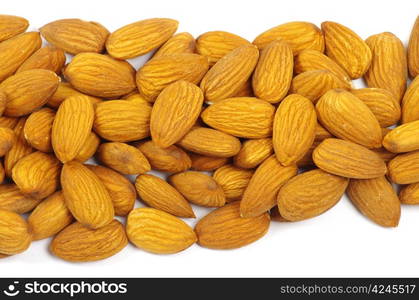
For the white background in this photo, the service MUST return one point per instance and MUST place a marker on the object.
(341, 242)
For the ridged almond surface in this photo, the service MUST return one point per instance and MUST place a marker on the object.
(310, 194)
(174, 112)
(71, 127)
(233, 181)
(9, 122)
(224, 228)
(273, 73)
(49, 217)
(7, 139)
(198, 188)
(138, 38)
(12, 199)
(47, 58)
(388, 68)
(75, 36)
(260, 195)
(158, 232)
(349, 118)
(410, 102)
(404, 169)
(86, 196)
(37, 129)
(294, 129)
(320, 135)
(207, 163)
(64, 91)
(14, 233)
(11, 26)
(158, 194)
(413, 50)
(122, 121)
(244, 117)
(160, 72)
(227, 76)
(347, 159)
(14, 51)
(77, 243)
(210, 142)
(89, 148)
(404, 138)
(376, 199)
(410, 194)
(216, 44)
(100, 75)
(182, 42)
(347, 49)
(123, 158)
(28, 90)
(253, 152)
(300, 36)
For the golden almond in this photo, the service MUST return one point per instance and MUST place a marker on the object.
(11, 26)
(37, 129)
(410, 102)
(9, 122)
(64, 91)
(206, 163)
(403, 169)
(12, 199)
(89, 148)
(404, 138)
(179, 43)
(233, 181)
(14, 231)
(413, 50)
(410, 194)
(47, 58)
(253, 153)
(7, 139)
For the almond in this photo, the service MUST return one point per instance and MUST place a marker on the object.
(253, 153)
(11, 26)
(136, 98)
(410, 194)
(413, 50)
(158, 232)
(403, 169)
(410, 102)
(404, 138)
(12, 199)
(224, 228)
(7, 139)
(207, 163)
(307, 160)
(322, 133)
(15, 236)
(37, 129)
(233, 181)
(9, 122)
(179, 43)
(89, 148)
(3, 102)
(64, 91)
(47, 58)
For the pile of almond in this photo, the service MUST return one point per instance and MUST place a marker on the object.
(272, 129)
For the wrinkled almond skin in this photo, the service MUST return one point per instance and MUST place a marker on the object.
(11, 26)
(160, 72)
(413, 50)
(273, 73)
(404, 138)
(9, 122)
(410, 102)
(388, 68)
(75, 36)
(12, 199)
(77, 243)
(14, 231)
(410, 194)
(233, 181)
(182, 42)
(123, 158)
(228, 75)
(37, 130)
(138, 38)
(7, 139)
(89, 148)
(210, 142)
(347, 117)
(310, 194)
(347, 159)
(49, 217)
(158, 232)
(64, 91)
(207, 163)
(376, 199)
(294, 129)
(224, 228)
(253, 153)
(157, 193)
(299, 35)
(403, 169)
(86, 196)
(270, 175)
(244, 117)
(198, 188)
(100, 75)
(122, 121)
(28, 90)
(47, 58)
(174, 112)
(347, 49)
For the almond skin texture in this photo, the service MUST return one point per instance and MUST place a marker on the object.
(89, 148)
(77, 243)
(160, 72)
(207, 163)
(216, 44)
(64, 91)
(270, 175)
(299, 35)
(404, 138)
(224, 228)
(242, 117)
(347, 117)
(158, 232)
(347, 49)
(75, 36)
(388, 68)
(171, 159)
(410, 194)
(233, 181)
(100, 75)
(227, 76)
(179, 43)
(120, 189)
(274, 70)
(47, 58)
(198, 188)
(16, 50)
(158, 194)
(37, 130)
(122, 121)
(174, 112)
(11, 26)
(49, 217)
(28, 90)
(14, 232)
(12, 199)
(72, 126)
(253, 153)
(140, 37)
(86, 196)
(347, 159)
(382, 103)
(9, 122)
(210, 142)
(403, 169)
(410, 102)
(413, 50)
(7, 139)
(123, 158)
(294, 129)
(37, 174)
(376, 199)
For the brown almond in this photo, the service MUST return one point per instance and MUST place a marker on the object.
(64, 91)
(37, 130)
(9, 122)
(404, 138)
(253, 152)
(47, 58)
(14, 231)
(179, 43)
(413, 50)
(233, 181)
(410, 194)
(403, 169)
(11, 26)
(12, 199)
(410, 102)
(89, 148)
(7, 139)
(206, 163)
